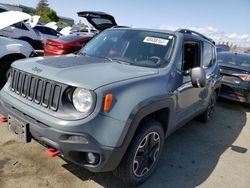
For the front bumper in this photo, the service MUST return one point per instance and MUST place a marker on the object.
(235, 92)
(73, 146)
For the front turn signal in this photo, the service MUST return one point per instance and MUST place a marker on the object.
(107, 102)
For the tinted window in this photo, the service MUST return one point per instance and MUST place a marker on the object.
(101, 21)
(208, 55)
(137, 47)
(234, 59)
(39, 29)
(46, 30)
(20, 25)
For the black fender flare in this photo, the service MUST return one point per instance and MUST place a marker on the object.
(142, 110)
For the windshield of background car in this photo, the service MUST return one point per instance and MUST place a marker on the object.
(136, 47)
(235, 59)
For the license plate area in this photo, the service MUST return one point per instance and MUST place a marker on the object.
(19, 128)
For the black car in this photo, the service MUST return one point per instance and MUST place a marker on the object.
(235, 71)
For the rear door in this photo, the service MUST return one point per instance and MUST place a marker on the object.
(99, 20)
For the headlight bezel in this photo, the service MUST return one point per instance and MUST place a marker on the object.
(86, 95)
(68, 106)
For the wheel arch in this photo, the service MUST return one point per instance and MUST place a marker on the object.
(142, 112)
(13, 56)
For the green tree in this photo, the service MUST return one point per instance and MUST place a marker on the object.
(42, 7)
(51, 15)
(45, 12)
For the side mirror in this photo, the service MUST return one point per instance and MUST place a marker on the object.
(198, 77)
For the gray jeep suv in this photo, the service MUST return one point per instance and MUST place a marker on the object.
(110, 107)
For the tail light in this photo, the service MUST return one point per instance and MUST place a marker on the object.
(244, 77)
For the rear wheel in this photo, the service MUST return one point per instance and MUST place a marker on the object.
(142, 155)
(206, 116)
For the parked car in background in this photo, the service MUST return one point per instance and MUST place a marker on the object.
(3, 8)
(78, 30)
(66, 44)
(235, 71)
(12, 25)
(73, 43)
(10, 51)
(47, 32)
(222, 47)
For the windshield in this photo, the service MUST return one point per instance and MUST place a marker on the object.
(235, 59)
(136, 47)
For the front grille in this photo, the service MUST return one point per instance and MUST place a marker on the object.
(38, 90)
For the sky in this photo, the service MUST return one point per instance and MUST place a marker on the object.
(220, 19)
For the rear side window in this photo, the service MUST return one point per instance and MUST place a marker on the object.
(208, 55)
(20, 25)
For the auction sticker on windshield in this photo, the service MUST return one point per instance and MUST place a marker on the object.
(154, 40)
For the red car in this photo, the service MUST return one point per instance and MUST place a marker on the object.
(66, 44)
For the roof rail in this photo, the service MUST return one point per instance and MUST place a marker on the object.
(191, 32)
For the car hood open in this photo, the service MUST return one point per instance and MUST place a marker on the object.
(12, 17)
(82, 71)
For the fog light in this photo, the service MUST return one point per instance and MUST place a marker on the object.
(78, 139)
(92, 158)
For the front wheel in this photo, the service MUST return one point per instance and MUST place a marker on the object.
(143, 154)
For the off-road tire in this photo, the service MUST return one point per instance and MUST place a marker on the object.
(126, 170)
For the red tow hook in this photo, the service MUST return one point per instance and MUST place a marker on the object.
(51, 152)
(3, 119)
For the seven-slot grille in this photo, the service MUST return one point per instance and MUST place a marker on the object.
(38, 90)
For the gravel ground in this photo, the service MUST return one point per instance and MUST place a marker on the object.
(215, 154)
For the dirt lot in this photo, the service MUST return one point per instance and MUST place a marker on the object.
(215, 154)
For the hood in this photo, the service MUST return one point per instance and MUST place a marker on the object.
(82, 71)
(12, 17)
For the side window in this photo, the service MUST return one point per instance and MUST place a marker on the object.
(191, 55)
(20, 25)
(51, 32)
(208, 55)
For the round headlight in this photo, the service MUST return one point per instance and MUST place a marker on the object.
(82, 100)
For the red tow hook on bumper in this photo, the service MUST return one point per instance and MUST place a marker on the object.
(3, 119)
(51, 152)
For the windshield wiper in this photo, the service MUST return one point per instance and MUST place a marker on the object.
(120, 61)
(107, 58)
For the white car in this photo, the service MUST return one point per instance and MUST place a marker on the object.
(13, 25)
(10, 51)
